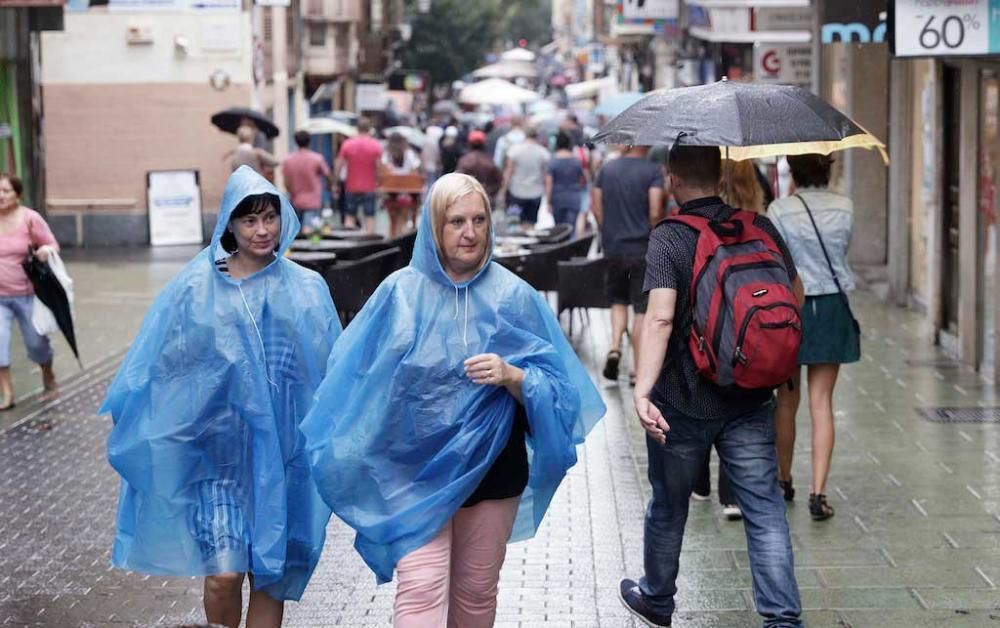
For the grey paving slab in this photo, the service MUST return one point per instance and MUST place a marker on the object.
(916, 539)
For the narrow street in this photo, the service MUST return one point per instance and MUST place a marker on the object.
(915, 542)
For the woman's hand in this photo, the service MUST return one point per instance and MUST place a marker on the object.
(489, 368)
(42, 254)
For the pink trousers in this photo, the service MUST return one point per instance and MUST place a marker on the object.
(452, 581)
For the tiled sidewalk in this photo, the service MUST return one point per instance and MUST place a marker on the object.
(916, 539)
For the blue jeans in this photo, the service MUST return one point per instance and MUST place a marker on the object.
(39, 347)
(746, 450)
(363, 202)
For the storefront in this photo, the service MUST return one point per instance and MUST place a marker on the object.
(946, 108)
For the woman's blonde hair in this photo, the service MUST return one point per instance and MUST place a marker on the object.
(445, 193)
(739, 185)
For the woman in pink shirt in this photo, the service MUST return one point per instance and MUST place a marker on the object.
(20, 228)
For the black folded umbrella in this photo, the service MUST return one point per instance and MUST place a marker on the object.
(229, 120)
(50, 292)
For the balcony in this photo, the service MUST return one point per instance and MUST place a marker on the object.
(335, 11)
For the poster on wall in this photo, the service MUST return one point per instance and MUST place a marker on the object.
(785, 64)
(174, 207)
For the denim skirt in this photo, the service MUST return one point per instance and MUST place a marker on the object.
(829, 332)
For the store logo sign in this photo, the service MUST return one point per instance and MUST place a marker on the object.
(855, 31)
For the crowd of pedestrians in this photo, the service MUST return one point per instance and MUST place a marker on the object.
(440, 423)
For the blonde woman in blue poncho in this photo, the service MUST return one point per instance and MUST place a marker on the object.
(206, 407)
(449, 415)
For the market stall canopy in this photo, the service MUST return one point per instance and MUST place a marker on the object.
(496, 92)
(745, 120)
(329, 126)
(507, 70)
(591, 89)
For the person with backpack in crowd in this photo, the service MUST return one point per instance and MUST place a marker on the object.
(817, 224)
(741, 190)
(721, 331)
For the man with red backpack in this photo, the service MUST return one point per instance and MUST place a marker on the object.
(722, 330)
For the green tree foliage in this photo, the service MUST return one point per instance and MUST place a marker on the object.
(454, 37)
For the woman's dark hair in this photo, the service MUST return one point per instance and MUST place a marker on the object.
(253, 204)
(563, 141)
(15, 182)
(810, 171)
(397, 149)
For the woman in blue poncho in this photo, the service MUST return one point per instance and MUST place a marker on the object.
(450, 412)
(206, 409)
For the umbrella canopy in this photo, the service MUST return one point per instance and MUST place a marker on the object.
(497, 92)
(329, 126)
(413, 136)
(747, 120)
(617, 103)
(445, 107)
(518, 54)
(230, 119)
(50, 292)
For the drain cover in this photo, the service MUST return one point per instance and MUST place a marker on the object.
(961, 415)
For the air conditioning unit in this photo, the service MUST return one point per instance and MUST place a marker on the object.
(139, 34)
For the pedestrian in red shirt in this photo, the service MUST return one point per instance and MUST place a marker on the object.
(360, 154)
(304, 172)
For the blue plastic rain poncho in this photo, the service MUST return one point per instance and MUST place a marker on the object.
(206, 408)
(400, 437)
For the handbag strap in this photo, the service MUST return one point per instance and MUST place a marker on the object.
(822, 246)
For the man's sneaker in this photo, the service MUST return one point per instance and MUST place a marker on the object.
(731, 512)
(631, 597)
(700, 497)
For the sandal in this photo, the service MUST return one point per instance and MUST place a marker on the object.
(9, 406)
(611, 364)
(819, 510)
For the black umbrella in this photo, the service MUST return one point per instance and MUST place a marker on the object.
(50, 292)
(231, 119)
(749, 120)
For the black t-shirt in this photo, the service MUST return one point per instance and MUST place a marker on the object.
(625, 183)
(508, 476)
(670, 264)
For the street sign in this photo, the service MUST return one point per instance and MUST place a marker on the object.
(946, 28)
(785, 64)
(369, 96)
(649, 9)
(174, 207)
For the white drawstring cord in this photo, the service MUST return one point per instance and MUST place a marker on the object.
(259, 336)
(465, 332)
(455, 317)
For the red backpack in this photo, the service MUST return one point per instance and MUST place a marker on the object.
(746, 328)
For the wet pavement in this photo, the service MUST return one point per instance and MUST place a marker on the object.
(915, 542)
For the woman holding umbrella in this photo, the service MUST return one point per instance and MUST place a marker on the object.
(206, 408)
(21, 228)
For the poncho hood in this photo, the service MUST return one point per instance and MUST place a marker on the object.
(426, 258)
(244, 182)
